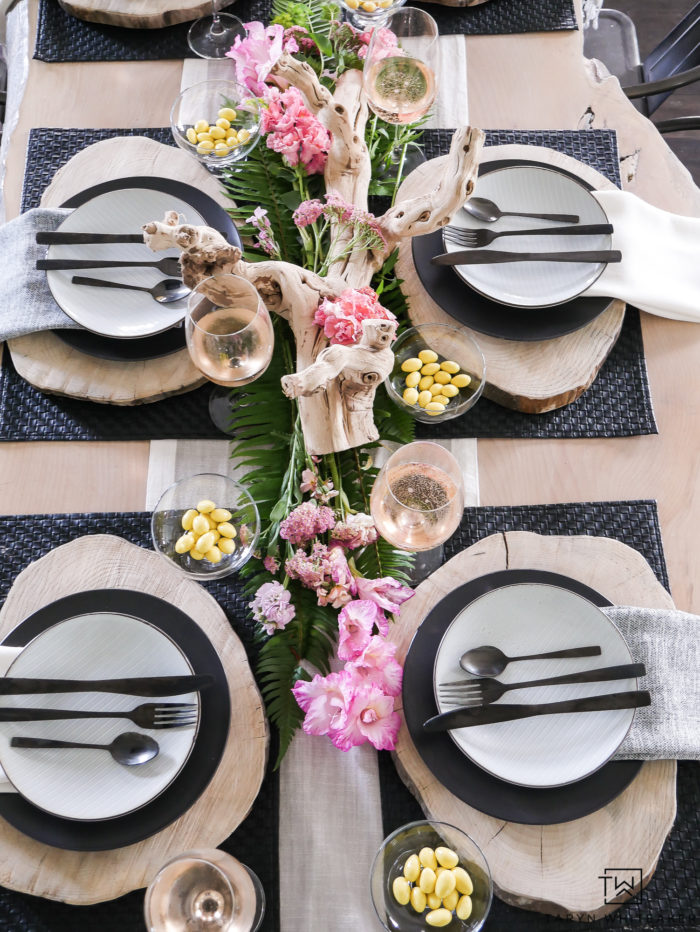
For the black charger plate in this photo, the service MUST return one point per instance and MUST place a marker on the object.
(190, 783)
(461, 776)
(474, 310)
(169, 341)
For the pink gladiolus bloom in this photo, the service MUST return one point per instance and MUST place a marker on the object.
(257, 54)
(323, 701)
(386, 592)
(376, 664)
(369, 716)
(355, 624)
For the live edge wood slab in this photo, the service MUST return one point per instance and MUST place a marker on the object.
(103, 562)
(137, 14)
(551, 869)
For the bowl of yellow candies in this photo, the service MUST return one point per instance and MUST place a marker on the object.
(368, 13)
(439, 372)
(207, 525)
(430, 875)
(217, 122)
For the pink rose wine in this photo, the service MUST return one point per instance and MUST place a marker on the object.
(400, 89)
(231, 345)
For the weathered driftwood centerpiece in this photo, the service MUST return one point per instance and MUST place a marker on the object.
(335, 385)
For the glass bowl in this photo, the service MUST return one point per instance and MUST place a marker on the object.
(366, 19)
(452, 344)
(203, 102)
(166, 523)
(389, 863)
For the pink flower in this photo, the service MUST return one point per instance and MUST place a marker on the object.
(294, 131)
(355, 624)
(355, 531)
(306, 522)
(369, 716)
(309, 481)
(387, 592)
(266, 237)
(307, 213)
(376, 664)
(386, 45)
(322, 700)
(271, 565)
(302, 37)
(311, 569)
(271, 607)
(342, 318)
(257, 54)
(343, 582)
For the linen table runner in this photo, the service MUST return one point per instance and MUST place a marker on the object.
(668, 903)
(63, 38)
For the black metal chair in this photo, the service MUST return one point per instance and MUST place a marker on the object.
(674, 63)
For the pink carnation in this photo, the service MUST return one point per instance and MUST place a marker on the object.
(376, 664)
(342, 318)
(294, 131)
(388, 593)
(257, 54)
(306, 522)
(355, 624)
(386, 45)
(355, 531)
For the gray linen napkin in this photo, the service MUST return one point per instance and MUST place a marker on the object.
(26, 304)
(668, 643)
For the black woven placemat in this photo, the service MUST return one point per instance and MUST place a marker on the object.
(62, 38)
(670, 901)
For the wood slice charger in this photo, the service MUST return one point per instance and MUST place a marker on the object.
(103, 562)
(532, 377)
(553, 869)
(137, 14)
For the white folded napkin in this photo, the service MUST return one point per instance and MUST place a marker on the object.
(7, 655)
(660, 268)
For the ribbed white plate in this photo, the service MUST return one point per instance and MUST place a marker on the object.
(112, 312)
(89, 784)
(530, 618)
(533, 284)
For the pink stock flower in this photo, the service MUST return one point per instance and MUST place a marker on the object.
(355, 624)
(310, 569)
(343, 582)
(306, 521)
(376, 664)
(368, 716)
(322, 700)
(294, 131)
(271, 607)
(342, 318)
(386, 592)
(270, 564)
(355, 531)
(257, 54)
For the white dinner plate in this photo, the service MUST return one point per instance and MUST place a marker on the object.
(89, 784)
(113, 312)
(529, 618)
(533, 284)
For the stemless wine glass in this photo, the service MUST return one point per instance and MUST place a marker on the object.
(417, 502)
(205, 890)
(229, 337)
(212, 36)
(400, 80)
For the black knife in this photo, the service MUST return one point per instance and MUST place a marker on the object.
(136, 686)
(488, 256)
(82, 239)
(490, 715)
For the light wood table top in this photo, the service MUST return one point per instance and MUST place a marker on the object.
(104, 476)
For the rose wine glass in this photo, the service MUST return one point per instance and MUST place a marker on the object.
(204, 891)
(417, 502)
(229, 337)
(212, 36)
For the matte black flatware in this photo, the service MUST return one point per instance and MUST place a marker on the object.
(59, 238)
(490, 661)
(484, 209)
(168, 266)
(129, 748)
(492, 714)
(148, 715)
(493, 256)
(484, 691)
(133, 686)
(164, 292)
(475, 239)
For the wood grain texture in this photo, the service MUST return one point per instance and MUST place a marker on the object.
(530, 377)
(137, 14)
(104, 561)
(553, 868)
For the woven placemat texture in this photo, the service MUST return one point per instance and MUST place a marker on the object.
(62, 38)
(670, 901)
(254, 842)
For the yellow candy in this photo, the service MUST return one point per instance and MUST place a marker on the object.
(451, 900)
(433, 901)
(445, 884)
(243, 135)
(427, 858)
(188, 518)
(428, 355)
(191, 135)
(184, 543)
(411, 869)
(463, 881)
(439, 917)
(232, 141)
(436, 389)
(442, 377)
(410, 396)
(418, 899)
(369, 6)
(447, 857)
(216, 132)
(427, 880)
(206, 147)
(449, 390)
(223, 123)
(412, 379)
(464, 907)
(401, 890)
(353, 4)
(439, 870)
(220, 514)
(441, 399)
(449, 366)
(461, 380)
(430, 368)
(212, 522)
(201, 525)
(221, 149)
(201, 126)
(411, 365)
(227, 113)
(205, 506)
(213, 555)
(226, 529)
(434, 407)
(226, 545)
(385, 3)
(205, 542)
(196, 555)
(424, 399)
(205, 137)
(425, 382)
